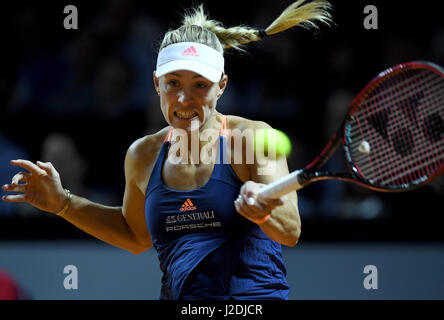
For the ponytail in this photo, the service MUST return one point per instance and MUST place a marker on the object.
(298, 14)
(197, 27)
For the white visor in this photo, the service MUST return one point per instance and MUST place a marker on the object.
(191, 56)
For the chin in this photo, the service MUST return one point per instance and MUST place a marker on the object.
(184, 121)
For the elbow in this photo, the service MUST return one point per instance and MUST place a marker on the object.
(139, 247)
(294, 238)
(292, 242)
(138, 250)
(293, 229)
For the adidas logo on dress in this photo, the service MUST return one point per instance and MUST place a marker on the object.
(187, 206)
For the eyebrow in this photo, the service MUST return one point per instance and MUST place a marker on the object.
(179, 76)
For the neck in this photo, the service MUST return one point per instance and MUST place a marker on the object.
(199, 139)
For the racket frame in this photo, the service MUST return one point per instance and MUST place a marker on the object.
(301, 178)
(357, 176)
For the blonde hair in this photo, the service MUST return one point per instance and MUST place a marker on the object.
(197, 27)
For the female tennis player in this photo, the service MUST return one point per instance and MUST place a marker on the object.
(214, 239)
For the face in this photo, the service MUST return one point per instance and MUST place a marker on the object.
(186, 96)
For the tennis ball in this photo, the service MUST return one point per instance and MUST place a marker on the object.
(267, 137)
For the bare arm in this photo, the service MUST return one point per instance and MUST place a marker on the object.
(123, 226)
(105, 223)
(284, 223)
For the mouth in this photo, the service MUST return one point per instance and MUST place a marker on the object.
(185, 115)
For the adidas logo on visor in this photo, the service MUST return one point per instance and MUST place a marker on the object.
(191, 51)
(192, 56)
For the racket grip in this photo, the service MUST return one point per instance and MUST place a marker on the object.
(281, 187)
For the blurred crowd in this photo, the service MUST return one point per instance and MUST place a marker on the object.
(78, 98)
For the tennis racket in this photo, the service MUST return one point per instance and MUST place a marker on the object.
(392, 136)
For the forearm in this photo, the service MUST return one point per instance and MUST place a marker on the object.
(103, 222)
(284, 225)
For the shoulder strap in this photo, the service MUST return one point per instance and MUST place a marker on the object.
(223, 126)
(168, 137)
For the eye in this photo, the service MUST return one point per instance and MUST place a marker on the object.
(201, 85)
(173, 83)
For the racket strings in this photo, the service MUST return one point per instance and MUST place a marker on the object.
(416, 173)
(414, 167)
(383, 93)
(422, 165)
(401, 140)
(408, 162)
(402, 120)
(421, 144)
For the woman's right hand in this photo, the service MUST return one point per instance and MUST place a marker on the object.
(40, 186)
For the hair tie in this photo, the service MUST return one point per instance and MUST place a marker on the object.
(262, 33)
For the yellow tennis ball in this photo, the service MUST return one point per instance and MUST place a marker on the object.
(267, 137)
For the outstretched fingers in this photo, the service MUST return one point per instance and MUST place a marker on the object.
(14, 187)
(20, 177)
(46, 166)
(15, 198)
(28, 165)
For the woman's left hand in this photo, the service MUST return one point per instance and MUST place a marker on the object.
(249, 206)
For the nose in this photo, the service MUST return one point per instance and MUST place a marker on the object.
(185, 96)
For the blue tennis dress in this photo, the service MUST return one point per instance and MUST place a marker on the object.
(206, 249)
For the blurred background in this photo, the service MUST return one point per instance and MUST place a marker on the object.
(78, 98)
